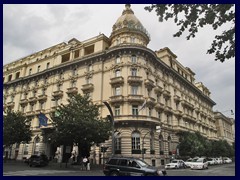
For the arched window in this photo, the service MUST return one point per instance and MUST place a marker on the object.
(36, 145)
(117, 143)
(161, 145)
(135, 140)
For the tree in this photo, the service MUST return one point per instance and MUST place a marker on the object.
(16, 128)
(79, 123)
(191, 17)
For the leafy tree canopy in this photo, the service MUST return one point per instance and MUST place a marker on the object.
(191, 17)
(16, 128)
(79, 122)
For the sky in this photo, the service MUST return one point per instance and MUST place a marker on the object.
(31, 28)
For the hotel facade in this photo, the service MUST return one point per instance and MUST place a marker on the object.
(122, 71)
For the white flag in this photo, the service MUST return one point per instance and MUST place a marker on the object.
(143, 106)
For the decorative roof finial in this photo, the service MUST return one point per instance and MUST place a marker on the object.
(127, 6)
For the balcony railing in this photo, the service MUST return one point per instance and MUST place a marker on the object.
(134, 79)
(116, 81)
(32, 100)
(87, 87)
(116, 99)
(166, 93)
(149, 84)
(158, 90)
(135, 98)
(72, 90)
(58, 93)
(42, 97)
(159, 106)
(23, 101)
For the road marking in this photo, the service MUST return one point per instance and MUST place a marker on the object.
(34, 172)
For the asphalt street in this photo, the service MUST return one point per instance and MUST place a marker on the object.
(21, 169)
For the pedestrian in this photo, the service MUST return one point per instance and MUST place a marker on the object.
(85, 161)
(88, 164)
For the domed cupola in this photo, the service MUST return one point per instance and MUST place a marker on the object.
(129, 30)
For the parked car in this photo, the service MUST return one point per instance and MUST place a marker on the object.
(190, 160)
(124, 166)
(211, 161)
(37, 160)
(227, 160)
(200, 163)
(219, 160)
(176, 164)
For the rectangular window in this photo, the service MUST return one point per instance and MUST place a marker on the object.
(134, 72)
(88, 80)
(117, 110)
(26, 146)
(132, 39)
(9, 77)
(47, 66)
(59, 87)
(117, 73)
(149, 112)
(89, 68)
(134, 59)
(135, 143)
(76, 54)
(17, 75)
(38, 68)
(134, 110)
(30, 71)
(117, 91)
(118, 60)
(41, 105)
(74, 72)
(134, 90)
(65, 57)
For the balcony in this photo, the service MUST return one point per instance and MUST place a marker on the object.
(58, 93)
(187, 104)
(10, 104)
(116, 81)
(159, 107)
(167, 109)
(32, 100)
(42, 98)
(87, 87)
(134, 80)
(166, 94)
(135, 98)
(176, 98)
(72, 90)
(149, 84)
(30, 113)
(116, 99)
(23, 101)
(151, 101)
(178, 112)
(158, 90)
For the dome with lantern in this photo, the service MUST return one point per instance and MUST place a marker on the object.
(129, 30)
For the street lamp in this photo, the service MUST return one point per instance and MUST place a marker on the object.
(143, 151)
(111, 118)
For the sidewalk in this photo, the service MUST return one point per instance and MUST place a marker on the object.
(12, 164)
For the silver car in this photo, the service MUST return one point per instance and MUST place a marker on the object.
(200, 163)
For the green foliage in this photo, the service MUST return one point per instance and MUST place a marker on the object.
(79, 122)
(194, 144)
(190, 17)
(16, 128)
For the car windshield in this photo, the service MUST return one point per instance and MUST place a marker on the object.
(200, 160)
(142, 163)
(174, 161)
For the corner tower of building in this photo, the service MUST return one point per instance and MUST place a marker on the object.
(129, 30)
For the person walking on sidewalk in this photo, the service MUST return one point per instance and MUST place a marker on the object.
(85, 161)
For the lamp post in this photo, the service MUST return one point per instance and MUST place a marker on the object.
(111, 118)
(143, 145)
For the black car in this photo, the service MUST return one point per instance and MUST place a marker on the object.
(123, 166)
(38, 160)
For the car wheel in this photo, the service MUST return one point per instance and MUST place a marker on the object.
(114, 173)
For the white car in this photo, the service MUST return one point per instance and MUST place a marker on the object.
(211, 161)
(200, 163)
(219, 160)
(227, 160)
(175, 164)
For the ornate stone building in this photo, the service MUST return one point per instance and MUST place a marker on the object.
(123, 71)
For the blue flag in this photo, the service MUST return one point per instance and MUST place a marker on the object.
(42, 119)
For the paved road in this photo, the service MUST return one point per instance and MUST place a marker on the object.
(21, 169)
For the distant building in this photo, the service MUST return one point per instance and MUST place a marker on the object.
(121, 70)
(225, 127)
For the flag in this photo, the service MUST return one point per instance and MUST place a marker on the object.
(42, 119)
(143, 105)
